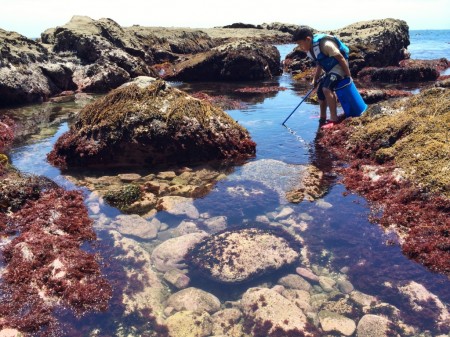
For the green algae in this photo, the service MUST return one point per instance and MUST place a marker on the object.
(124, 197)
(415, 134)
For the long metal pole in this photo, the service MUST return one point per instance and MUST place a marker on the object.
(306, 96)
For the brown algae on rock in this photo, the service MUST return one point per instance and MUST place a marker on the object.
(151, 126)
(415, 133)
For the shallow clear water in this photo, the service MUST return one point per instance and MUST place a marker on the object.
(337, 236)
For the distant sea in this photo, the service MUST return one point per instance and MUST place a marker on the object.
(429, 44)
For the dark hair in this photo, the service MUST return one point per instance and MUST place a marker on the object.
(301, 33)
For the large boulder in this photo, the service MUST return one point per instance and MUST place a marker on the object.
(239, 60)
(235, 256)
(375, 43)
(28, 72)
(106, 54)
(99, 55)
(153, 125)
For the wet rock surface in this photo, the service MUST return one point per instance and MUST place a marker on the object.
(99, 55)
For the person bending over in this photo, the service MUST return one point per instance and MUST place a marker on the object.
(331, 57)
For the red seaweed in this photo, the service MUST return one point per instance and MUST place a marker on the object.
(423, 216)
(45, 266)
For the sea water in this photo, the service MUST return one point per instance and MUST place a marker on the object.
(429, 44)
(339, 233)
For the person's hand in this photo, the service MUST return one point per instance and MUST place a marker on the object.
(316, 81)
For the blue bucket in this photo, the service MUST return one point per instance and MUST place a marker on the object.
(351, 101)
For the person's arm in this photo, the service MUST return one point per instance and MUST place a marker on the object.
(317, 75)
(343, 63)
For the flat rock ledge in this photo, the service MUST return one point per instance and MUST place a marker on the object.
(239, 255)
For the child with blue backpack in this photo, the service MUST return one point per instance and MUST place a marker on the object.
(331, 57)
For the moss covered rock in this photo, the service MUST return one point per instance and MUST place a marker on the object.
(397, 156)
(151, 125)
(414, 133)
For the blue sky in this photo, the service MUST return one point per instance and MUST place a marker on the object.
(31, 17)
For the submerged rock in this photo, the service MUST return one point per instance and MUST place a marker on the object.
(373, 325)
(154, 126)
(425, 303)
(331, 321)
(189, 324)
(240, 255)
(170, 254)
(136, 226)
(142, 289)
(226, 323)
(195, 300)
(267, 312)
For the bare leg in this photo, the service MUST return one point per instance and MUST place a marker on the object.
(331, 101)
(323, 109)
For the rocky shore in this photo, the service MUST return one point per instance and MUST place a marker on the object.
(95, 56)
(152, 275)
(398, 158)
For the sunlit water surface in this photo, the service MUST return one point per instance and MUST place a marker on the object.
(337, 236)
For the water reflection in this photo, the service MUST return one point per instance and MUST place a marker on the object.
(337, 233)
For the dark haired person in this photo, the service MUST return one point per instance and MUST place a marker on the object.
(330, 55)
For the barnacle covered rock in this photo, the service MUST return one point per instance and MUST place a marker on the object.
(239, 255)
